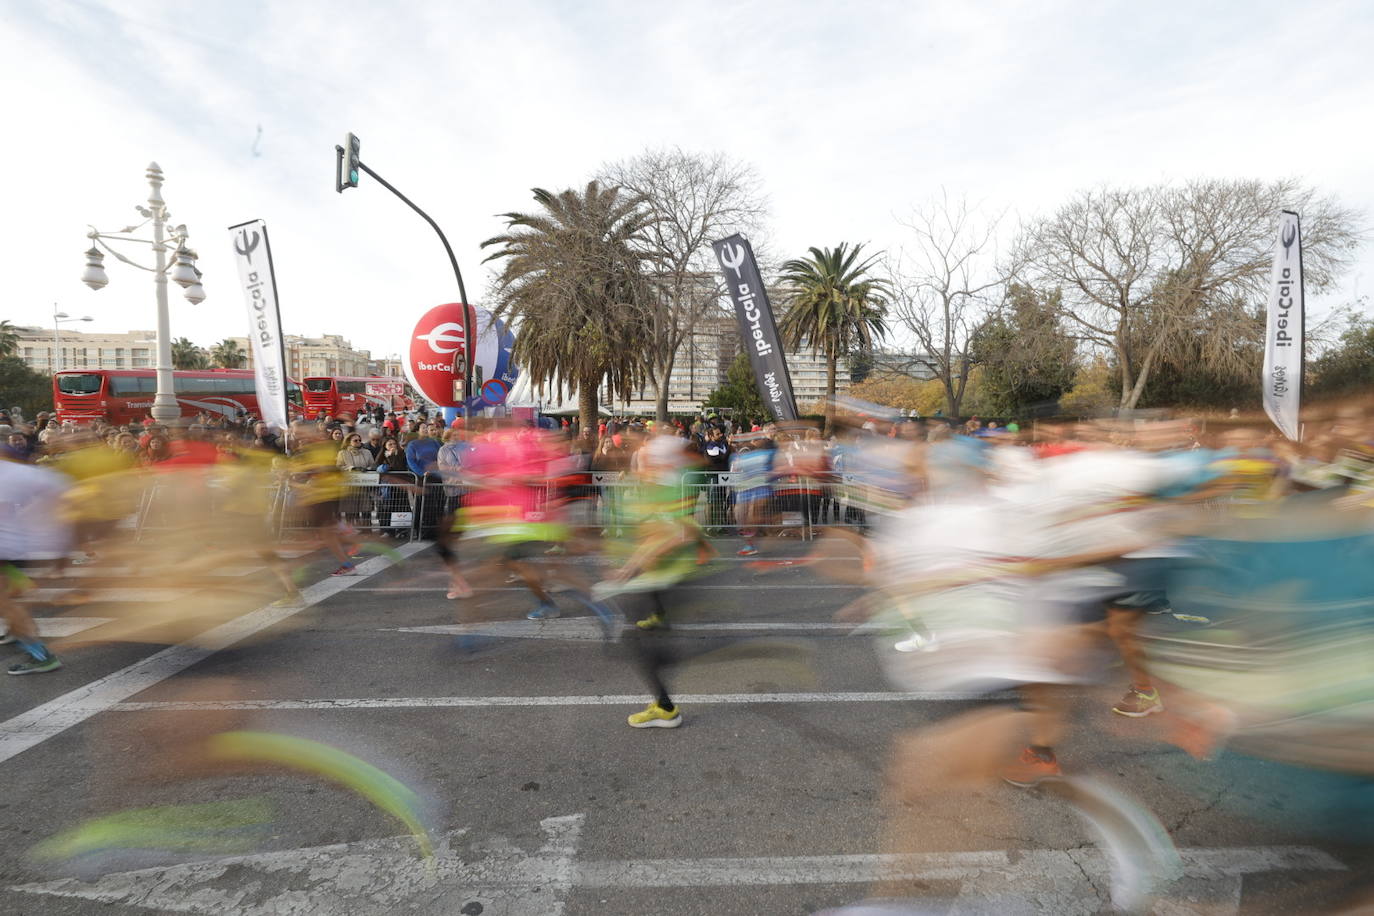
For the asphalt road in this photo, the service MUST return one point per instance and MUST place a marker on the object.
(776, 795)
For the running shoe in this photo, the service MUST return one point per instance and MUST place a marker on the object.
(652, 622)
(1137, 704)
(748, 550)
(6, 638)
(345, 570)
(472, 644)
(460, 591)
(34, 666)
(655, 716)
(1031, 769)
(544, 612)
(915, 643)
(289, 601)
(610, 621)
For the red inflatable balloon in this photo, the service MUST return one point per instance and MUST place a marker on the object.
(438, 347)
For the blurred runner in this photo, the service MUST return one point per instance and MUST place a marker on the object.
(317, 485)
(504, 509)
(665, 547)
(31, 532)
(752, 468)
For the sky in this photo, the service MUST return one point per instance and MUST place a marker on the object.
(851, 114)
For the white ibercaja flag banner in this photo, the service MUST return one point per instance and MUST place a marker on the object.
(1283, 332)
(254, 258)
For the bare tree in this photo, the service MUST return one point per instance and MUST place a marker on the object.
(695, 199)
(1161, 274)
(946, 281)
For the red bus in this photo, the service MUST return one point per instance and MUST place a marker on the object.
(123, 396)
(334, 395)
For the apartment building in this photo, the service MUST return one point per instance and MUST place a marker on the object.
(330, 354)
(43, 350)
(705, 356)
(390, 367)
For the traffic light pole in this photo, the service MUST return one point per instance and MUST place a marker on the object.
(469, 344)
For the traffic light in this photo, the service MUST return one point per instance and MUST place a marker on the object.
(351, 166)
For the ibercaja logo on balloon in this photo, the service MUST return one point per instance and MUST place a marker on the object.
(438, 346)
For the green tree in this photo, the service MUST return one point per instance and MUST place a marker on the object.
(834, 305)
(227, 355)
(186, 355)
(22, 387)
(1027, 360)
(9, 339)
(573, 282)
(739, 392)
(861, 364)
(1173, 274)
(1092, 392)
(694, 198)
(1348, 367)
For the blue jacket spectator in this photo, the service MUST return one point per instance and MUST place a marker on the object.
(422, 453)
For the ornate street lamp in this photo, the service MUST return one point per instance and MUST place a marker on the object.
(182, 270)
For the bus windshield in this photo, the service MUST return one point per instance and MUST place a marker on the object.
(78, 383)
(319, 384)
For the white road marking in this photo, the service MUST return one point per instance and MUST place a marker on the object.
(387, 876)
(686, 586)
(56, 627)
(372, 876)
(129, 572)
(589, 628)
(100, 593)
(627, 699)
(56, 716)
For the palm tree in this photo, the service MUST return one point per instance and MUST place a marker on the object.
(833, 305)
(227, 355)
(9, 339)
(186, 355)
(573, 280)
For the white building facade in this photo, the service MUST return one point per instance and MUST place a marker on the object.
(46, 351)
(705, 356)
(330, 354)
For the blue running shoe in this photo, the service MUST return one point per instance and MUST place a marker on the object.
(544, 612)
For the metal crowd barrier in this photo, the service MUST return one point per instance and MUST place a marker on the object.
(374, 503)
(397, 504)
(167, 505)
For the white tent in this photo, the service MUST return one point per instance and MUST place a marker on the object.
(552, 401)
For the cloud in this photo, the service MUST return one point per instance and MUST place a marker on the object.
(848, 117)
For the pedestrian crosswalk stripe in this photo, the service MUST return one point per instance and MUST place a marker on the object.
(49, 719)
(689, 699)
(57, 627)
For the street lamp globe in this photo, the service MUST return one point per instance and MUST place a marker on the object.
(60, 315)
(195, 293)
(94, 274)
(184, 273)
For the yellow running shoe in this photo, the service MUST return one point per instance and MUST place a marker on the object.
(652, 622)
(655, 716)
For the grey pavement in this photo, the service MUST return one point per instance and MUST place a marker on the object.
(542, 799)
